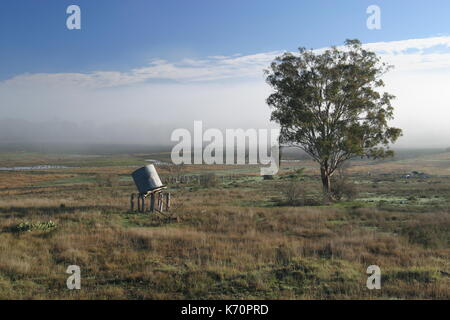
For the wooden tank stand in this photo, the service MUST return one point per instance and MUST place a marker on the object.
(158, 200)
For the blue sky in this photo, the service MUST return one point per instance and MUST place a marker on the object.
(181, 61)
(119, 35)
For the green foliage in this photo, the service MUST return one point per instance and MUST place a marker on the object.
(32, 226)
(329, 104)
(294, 174)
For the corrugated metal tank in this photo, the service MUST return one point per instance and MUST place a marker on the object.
(146, 179)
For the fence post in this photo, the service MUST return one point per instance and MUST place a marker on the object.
(139, 202)
(167, 201)
(152, 202)
(132, 202)
(160, 202)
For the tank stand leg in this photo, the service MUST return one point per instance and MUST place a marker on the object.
(143, 203)
(167, 201)
(132, 202)
(152, 202)
(160, 202)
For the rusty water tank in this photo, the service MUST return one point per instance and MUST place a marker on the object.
(147, 179)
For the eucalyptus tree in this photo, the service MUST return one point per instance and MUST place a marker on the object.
(329, 103)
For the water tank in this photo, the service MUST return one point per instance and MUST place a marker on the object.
(147, 179)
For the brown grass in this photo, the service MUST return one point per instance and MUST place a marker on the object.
(15, 179)
(229, 241)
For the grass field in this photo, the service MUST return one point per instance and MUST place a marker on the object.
(239, 238)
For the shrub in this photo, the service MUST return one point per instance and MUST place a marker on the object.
(294, 192)
(106, 180)
(208, 180)
(430, 233)
(283, 254)
(295, 174)
(31, 226)
(342, 189)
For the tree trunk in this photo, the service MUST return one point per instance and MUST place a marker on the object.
(326, 182)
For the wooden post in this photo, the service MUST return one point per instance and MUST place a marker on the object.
(157, 201)
(160, 202)
(152, 202)
(132, 202)
(139, 203)
(167, 201)
(143, 203)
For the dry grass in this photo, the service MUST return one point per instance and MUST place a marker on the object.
(14, 179)
(228, 241)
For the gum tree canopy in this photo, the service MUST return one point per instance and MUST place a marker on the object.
(329, 104)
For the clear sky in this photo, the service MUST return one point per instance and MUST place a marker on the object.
(201, 60)
(118, 34)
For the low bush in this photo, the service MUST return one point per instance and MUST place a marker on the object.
(32, 226)
(208, 180)
(106, 180)
(294, 193)
(342, 189)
